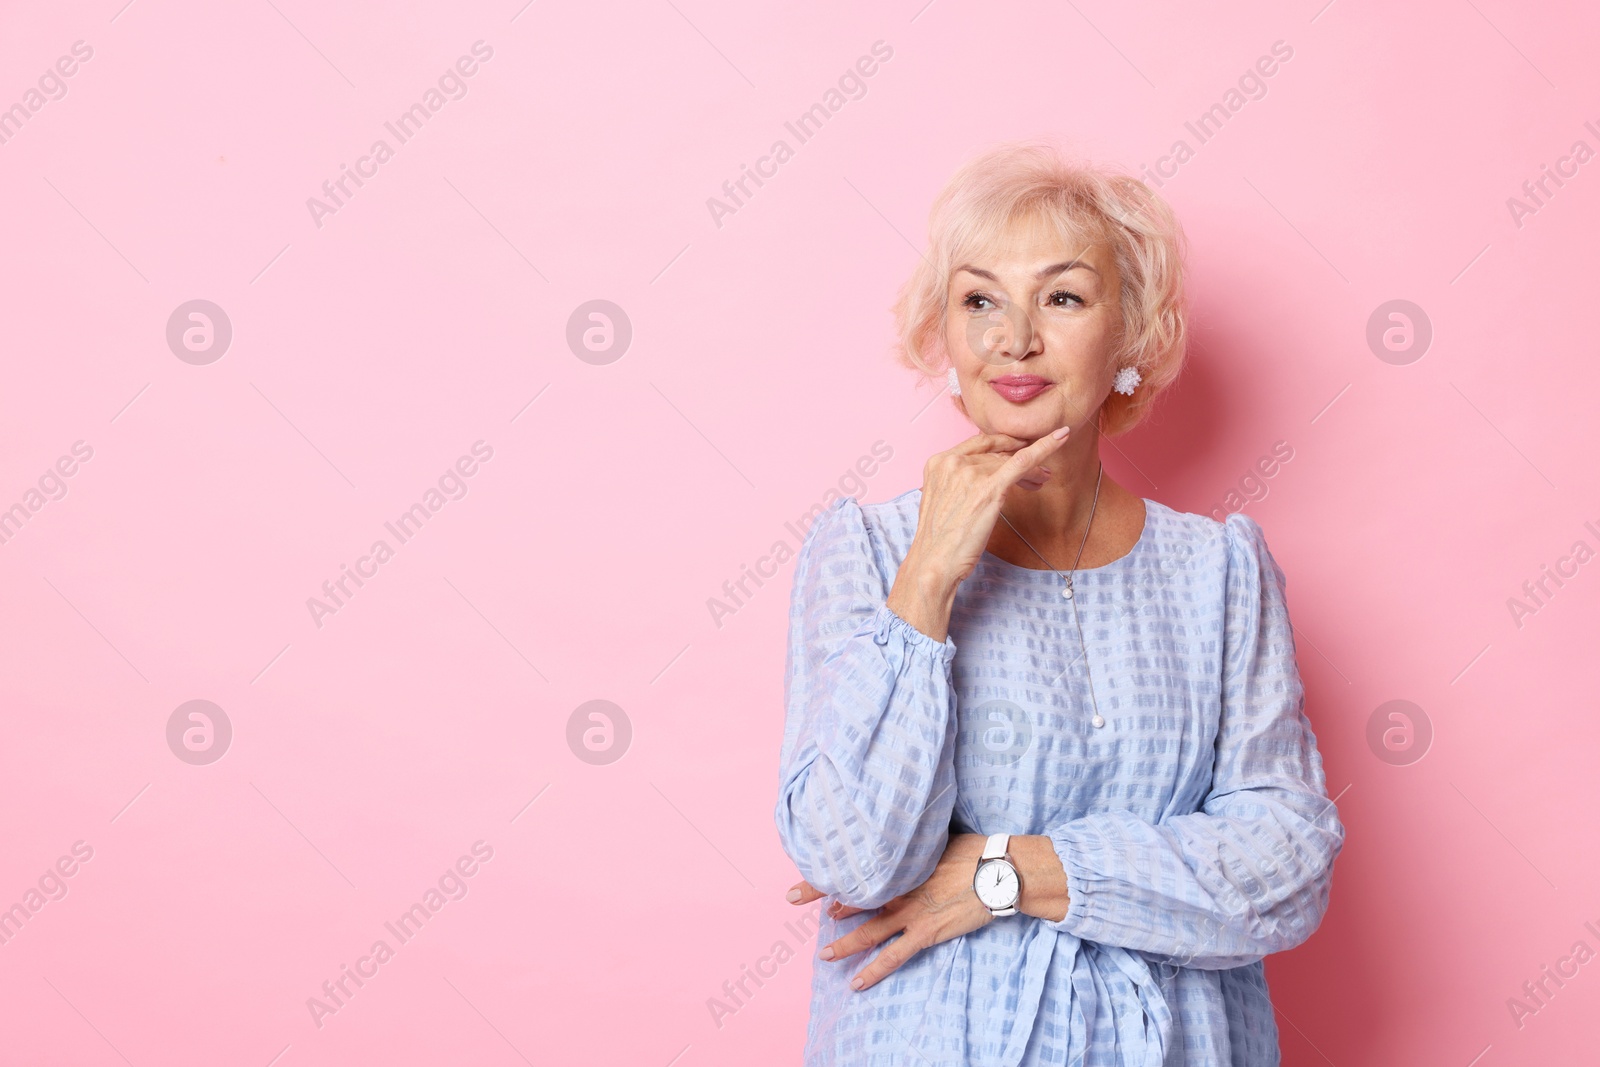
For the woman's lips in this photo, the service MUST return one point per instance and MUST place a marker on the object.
(1019, 388)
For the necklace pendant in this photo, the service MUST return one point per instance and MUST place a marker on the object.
(1098, 720)
(1066, 590)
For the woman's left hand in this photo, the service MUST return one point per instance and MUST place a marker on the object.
(939, 909)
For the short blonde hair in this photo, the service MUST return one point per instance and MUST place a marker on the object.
(1030, 179)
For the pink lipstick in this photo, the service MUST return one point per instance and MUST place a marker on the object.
(1019, 388)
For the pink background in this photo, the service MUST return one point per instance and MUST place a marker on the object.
(371, 352)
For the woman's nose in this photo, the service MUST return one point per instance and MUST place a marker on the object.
(1003, 336)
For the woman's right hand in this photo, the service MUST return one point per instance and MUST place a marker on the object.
(962, 490)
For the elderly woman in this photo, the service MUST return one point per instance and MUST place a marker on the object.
(1045, 747)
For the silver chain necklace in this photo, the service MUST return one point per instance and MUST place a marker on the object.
(1066, 588)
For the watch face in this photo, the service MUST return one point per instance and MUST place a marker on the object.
(996, 884)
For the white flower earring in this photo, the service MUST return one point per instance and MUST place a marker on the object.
(955, 382)
(1126, 381)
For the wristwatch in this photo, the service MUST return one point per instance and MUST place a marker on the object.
(996, 881)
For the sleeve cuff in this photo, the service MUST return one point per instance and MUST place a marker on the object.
(886, 624)
(1080, 847)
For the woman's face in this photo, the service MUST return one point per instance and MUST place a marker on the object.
(1031, 326)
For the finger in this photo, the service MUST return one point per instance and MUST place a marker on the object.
(1035, 478)
(988, 442)
(803, 893)
(863, 937)
(840, 910)
(1026, 459)
(886, 963)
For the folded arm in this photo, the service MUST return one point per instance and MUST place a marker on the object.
(1248, 873)
(867, 778)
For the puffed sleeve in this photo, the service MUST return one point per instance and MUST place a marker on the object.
(867, 774)
(1248, 873)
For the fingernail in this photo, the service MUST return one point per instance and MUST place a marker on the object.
(793, 896)
(1045, 469)
(857, 983)
(1059, 434)
(827, 952)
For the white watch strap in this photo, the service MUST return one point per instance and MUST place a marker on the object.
(995, 847)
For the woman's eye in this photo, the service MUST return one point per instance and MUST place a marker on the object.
(1059, 298)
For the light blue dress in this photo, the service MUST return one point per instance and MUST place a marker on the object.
(1194, 826)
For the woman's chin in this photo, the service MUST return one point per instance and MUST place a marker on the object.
(1027, 427)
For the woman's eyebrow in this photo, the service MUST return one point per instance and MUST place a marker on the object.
(1050, 271)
